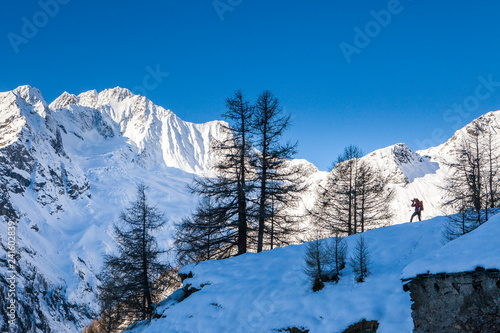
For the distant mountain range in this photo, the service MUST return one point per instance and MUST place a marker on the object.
(67, 169)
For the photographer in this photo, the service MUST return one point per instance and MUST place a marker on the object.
(419, 207)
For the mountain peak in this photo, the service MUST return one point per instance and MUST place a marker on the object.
(403, 154)
(117, 94)
(88, 98)
(30, 94)
(155, 134)
(399, 151)
(400, 164)
(92, 98)
(33, 97)
(63, 101)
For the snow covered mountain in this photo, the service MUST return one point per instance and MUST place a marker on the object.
(67, 169)
(158, 135)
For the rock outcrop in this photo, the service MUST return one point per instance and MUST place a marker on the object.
(458, 302)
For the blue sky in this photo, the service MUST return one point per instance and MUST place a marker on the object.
(416, 75)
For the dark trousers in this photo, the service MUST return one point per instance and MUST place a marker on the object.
(418, 214)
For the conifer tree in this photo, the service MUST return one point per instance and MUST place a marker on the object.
(471, 186)
(354, 198)
(202, 236)
(317, 263)
(338, 253)
(360, 260)
(128, 278)
(277, 183)
(229, 190)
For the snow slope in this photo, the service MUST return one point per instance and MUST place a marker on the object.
(479, 248)
(269, 291)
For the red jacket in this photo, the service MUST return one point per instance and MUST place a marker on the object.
(419, 205)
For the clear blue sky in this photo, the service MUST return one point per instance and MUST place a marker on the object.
(396, 88)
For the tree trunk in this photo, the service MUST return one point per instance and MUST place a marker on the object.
(363, 209)
(263, 192)
(147, 294)
(242, 203)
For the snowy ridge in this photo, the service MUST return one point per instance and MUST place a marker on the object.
(424, 172)
(489, 123)
(159, 135)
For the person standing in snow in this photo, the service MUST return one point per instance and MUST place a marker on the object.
(419, 207)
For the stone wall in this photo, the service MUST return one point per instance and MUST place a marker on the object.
(464, 302)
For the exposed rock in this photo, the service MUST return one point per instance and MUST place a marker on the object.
(36, 301)
(464, 302)
(295, 330)
(185, 276)
(318, 285)
(188, 290)
(363, 326)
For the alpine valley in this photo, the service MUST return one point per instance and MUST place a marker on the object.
(68, 168)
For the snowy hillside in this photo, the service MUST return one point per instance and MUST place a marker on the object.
(478, 248)
(269, 291)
